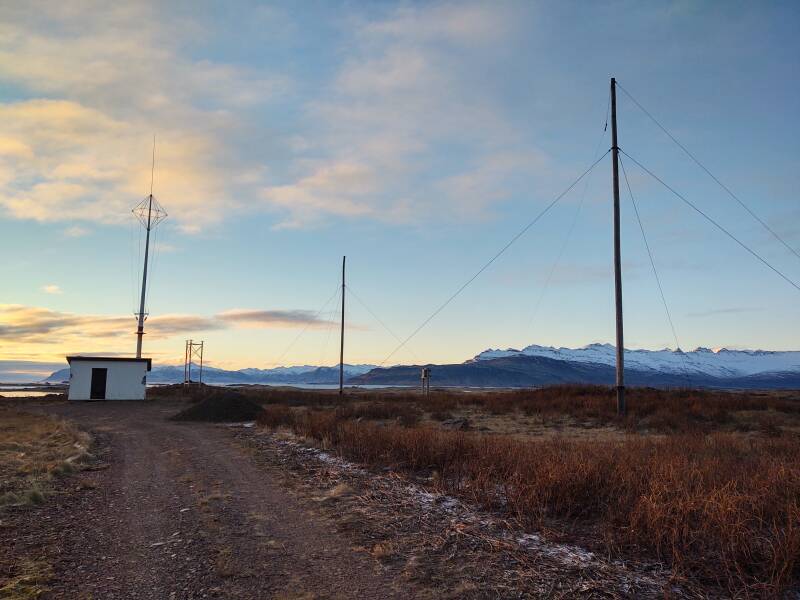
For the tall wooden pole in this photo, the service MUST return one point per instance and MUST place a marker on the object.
(341, 338)
(621, 409)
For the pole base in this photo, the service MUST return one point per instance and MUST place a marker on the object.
(622, 409)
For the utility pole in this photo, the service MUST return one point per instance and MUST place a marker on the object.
(150, 214)
(621, 409)
(341, 338)
(193, 350)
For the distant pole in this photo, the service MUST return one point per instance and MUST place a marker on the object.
(189, 378)
(621, 408)
(201, 361)
(341, 337)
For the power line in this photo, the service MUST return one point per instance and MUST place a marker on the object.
(655, 271)
(380, 322)
(495, 257)
(308, 324)
(650, 255)
(712, 221)
(710, 174)
(572, 225)
(329, 316)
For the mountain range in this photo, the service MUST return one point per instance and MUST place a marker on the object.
(305, 374)
(596, 363)
(534, 366)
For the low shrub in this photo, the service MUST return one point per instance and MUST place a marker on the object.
(722, 507)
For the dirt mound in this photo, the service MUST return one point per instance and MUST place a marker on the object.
(221, 407)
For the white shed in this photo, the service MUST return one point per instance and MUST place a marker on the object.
(107, 378)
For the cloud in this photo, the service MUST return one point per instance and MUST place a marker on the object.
(93, 85)
(27, 371)
(402, 129)
(21, 324)
(731, 310)
(76, 231)
(51, 289)
(30, 324)
(272, 318)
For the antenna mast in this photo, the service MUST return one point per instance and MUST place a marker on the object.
(341, 338)
(150, 213)
(621, 409)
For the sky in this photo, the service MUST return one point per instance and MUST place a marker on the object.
(417, 139)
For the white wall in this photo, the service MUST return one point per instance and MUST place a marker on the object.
(124, 380)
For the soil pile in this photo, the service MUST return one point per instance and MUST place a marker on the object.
(224, 406)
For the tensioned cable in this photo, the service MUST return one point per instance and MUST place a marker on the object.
(649, 254)
(496, 256)
(712, 221)
(308, 324)
(709, 173)
(133, 262)
(329, 329)
(380, 322)
(655, 271)
(572, 225)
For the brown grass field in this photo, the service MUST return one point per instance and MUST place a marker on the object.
(707, 482)
(34, 449)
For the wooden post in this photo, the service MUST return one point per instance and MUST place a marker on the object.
(341, 339)
(621, 408)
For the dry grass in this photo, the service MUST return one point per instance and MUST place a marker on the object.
(650, 410)
(29, 583)
(668, 411)
(714, 502)
(34, 449)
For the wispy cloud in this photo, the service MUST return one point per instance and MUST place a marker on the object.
(31, 324)
(729, 310)
(272, 318)
(76, 231)
(402, 128)
(99, 84)
(51, 289)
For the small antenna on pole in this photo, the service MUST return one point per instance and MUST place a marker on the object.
(150, 213)
(153, 166)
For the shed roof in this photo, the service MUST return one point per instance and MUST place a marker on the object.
(149, 361)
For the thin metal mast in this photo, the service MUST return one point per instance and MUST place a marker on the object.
(621, 408)
(150, 214)
(341, 338)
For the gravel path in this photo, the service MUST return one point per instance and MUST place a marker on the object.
(180, 510)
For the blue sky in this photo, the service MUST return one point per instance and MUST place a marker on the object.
(417, 139)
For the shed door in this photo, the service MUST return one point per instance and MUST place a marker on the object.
(98, 390)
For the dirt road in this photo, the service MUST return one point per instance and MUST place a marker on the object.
(191, 510)
(179, 510)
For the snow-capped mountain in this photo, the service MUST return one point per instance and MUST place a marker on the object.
(717, 363)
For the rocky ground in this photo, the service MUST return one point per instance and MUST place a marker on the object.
(187, 510)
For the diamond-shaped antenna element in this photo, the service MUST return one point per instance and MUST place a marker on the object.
(149, 212)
